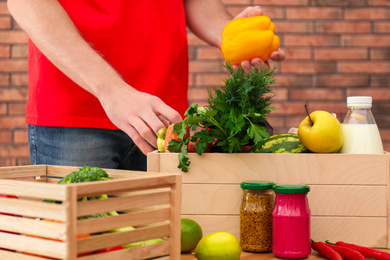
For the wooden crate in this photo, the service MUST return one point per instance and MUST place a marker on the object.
(349, 197)
(150, 202)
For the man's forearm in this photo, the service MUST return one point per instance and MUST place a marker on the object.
(53, 32)
(206, 19)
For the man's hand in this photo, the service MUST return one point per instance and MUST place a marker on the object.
(138, 114)
(257, 62)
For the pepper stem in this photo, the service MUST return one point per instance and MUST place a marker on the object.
(330, 243)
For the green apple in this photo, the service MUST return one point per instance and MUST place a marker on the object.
(321, 132)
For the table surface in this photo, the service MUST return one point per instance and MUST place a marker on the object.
(265, 256)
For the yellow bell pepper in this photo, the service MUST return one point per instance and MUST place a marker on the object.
(247, 38)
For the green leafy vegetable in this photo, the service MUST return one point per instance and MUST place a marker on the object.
(236, 116)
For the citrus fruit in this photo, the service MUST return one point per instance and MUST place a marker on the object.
(191, 233)
(218, 246)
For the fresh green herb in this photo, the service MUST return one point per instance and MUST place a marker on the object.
(235, 117)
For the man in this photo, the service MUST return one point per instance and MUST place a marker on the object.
(105, 76)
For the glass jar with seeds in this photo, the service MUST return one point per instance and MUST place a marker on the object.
(256, 216)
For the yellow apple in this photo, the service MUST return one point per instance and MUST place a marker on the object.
(321, 132)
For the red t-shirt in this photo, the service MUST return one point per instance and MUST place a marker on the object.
(145, 41)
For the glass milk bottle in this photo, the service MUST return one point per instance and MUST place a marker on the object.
(361, 134)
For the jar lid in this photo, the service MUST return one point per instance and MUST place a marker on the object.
(359, 101)
(257, 185)
(291, 188)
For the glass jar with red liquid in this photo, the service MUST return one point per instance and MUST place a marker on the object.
(291, 221)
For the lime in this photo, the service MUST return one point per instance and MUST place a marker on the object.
(191, 233)
(218, 246)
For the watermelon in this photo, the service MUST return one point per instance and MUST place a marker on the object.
(283, 143)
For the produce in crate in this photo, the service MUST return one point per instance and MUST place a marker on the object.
(283, 143)
(236, 116)
(321, 132)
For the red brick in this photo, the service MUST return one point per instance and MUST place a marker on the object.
(380, 81)
(276, 121)
(13, 65)
(307, 67)
(7, 161)
(3, 109)
(380, 54)
(14, 151)
(12, 122)
(23, 160)
(280, 94)
(192, 52)
(4, 51)
(298, 53)
(13, 95)
(366, 41)
(19, 79)
(364, 67)
(382, 27)
(341, 81)
(314, 13)
(294, 121)
(209, 53)
(338, 3)
(17, 109)
(343, 27)
(311, 40)
(198, 93)
(281, 2)
(233, 2)
(341, 54)
(20, 137)
(5, 137)
(5, 22)
(339, 108)
(285, 80)
(367, 14)
(204, 66)
(293, 27)
(191, 79)
(13, 37)
(4, 80)
(376, 94)
(379, 2)
(273, 12)
(316, 94)
(385, 134)
(4, 8)
(288, 108)
(210, 79)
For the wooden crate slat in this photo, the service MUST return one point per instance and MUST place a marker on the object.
(124, 185)
(22, 171)
(32, 208)
(34, 189)
(130, 219)
(108, 240)
(130, 201)
(33, 227)
(346, 200)
(33, 245)
(280, 168)
(140, 252)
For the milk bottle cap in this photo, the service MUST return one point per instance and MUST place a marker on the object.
(359, 101)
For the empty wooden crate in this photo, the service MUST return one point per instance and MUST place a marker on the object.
(349, 197)
(132, 208)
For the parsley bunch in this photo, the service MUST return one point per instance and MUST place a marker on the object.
(235, 118)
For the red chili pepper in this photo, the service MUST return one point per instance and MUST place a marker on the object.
(325, 250)
(366, 251)
(109, 249)
(347, 253)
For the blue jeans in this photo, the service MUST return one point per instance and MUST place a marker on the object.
(104, 148)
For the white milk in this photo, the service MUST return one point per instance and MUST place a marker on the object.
(361, 138)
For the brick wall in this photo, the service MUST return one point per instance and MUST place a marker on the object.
(334, 49)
